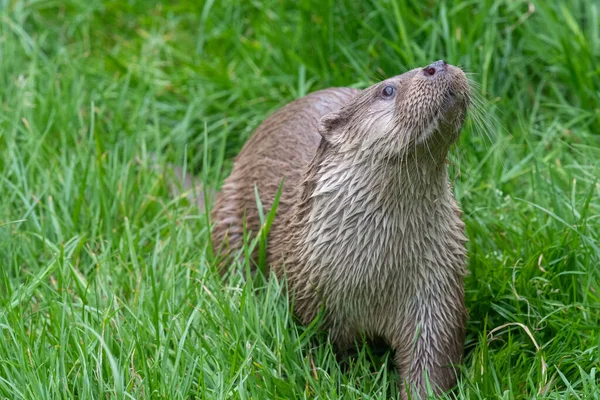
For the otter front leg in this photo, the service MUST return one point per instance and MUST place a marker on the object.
(431, 348)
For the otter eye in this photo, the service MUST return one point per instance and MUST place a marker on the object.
(388, 91)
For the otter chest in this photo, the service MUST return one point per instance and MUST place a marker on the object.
(370, 260)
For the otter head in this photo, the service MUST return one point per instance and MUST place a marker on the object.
(421, 109)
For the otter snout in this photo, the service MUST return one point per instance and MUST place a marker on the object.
(436, 67)
(444, 79)
(435, 101)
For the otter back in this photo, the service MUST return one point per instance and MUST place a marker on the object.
(280, 148)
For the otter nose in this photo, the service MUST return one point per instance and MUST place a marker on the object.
(435, 68)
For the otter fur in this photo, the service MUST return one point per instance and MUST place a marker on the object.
(367, 227)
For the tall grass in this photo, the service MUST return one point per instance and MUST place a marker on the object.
(107, 289)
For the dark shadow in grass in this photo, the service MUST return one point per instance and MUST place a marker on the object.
(376, 351)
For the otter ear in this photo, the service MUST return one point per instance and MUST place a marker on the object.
(329, 124)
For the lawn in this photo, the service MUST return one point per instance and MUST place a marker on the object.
(107, 285)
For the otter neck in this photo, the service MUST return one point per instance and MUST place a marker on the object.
(401, 209)
(373, 197)
(420, 176)
(418, 179)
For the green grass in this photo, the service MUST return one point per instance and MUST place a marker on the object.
(106, 284)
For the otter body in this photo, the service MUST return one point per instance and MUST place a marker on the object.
(367, 225)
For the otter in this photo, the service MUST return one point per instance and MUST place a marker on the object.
(367, 228)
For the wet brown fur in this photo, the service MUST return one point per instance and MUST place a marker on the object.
(367, 225)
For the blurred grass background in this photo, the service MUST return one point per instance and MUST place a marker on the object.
(106, 290)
